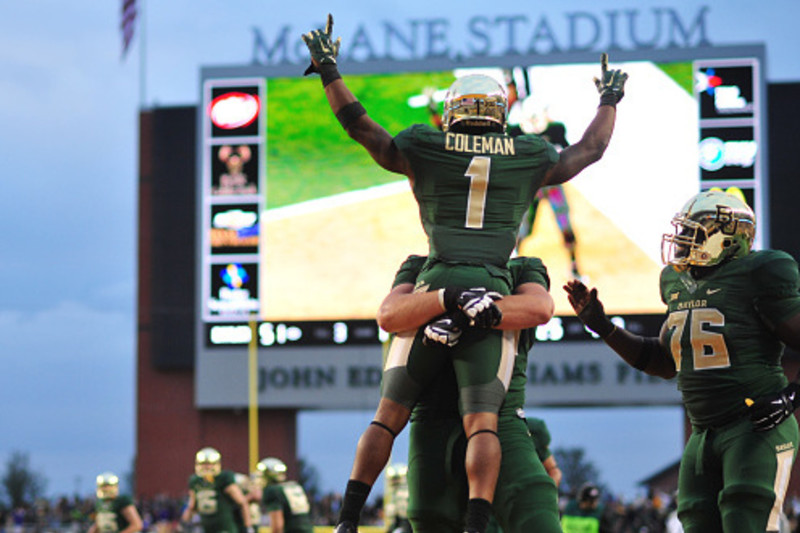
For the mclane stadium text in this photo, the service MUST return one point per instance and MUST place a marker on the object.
(481, 35)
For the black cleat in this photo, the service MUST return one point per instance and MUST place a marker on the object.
(345, 527)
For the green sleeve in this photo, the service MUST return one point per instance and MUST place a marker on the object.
(409, 270)
(777, 287)
(225, 479)
(124, 500)
(529, 270)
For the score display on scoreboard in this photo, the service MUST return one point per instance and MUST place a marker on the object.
(301, 232)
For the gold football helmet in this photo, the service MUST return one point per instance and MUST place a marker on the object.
(207, 463)
(396, 474)
(711, 228)
(107, 486)
(273, 470)
(475, 103)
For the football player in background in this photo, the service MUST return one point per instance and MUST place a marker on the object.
(251, 487)
(586, 512)
(472, 230)
(730, 311)
(526, 498)
(285, 502)
(215, 496)
(114, 511)
(541, 441)
(395, 506)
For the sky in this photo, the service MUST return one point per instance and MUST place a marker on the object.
(68, 144)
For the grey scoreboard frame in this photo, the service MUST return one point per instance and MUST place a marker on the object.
(327, 373)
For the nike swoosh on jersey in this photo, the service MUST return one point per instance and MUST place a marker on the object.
(713, 291)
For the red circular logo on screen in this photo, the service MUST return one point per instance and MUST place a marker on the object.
(233, 110)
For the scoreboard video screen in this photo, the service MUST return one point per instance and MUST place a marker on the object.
(301, 232)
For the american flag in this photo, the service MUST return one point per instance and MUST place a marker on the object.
(128, 21)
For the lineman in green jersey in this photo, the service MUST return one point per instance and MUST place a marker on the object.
(541, 441)
(526, 498)
(285, 502)
(729, 313)
(114, 511)
(471, 226)
(215, 496)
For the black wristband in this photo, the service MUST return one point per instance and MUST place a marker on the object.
(449, 297)
(329, 73)
(348, 114)
(609, 98)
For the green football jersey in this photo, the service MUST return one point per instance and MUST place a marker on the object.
(718, 331)
(290, 498)
(216, 509)
(108, 513)
(473, 190)
(441, 400)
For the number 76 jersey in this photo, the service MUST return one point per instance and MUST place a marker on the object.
(473, 190)
(719, 330)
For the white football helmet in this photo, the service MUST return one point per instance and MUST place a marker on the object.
(396, 474)
(207, 463)
(107, 486)
(272, 469)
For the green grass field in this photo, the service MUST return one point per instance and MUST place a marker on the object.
(310, 156)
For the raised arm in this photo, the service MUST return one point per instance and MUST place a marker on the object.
(647, 354)
(348, 110)
(576, 157)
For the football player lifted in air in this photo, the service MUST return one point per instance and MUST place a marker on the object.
(113, 511)
(526, 498)
(730, 310)
(473, 183)
(215, 496)
(285, 502)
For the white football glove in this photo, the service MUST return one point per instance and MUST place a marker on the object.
(442, 331)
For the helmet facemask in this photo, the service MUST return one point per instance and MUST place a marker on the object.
(208, 463)
(396, 474)
(272, 470)
(107, 486)
(713, 227)
(475, 104)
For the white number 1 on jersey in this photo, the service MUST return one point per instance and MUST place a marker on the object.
(478, 173)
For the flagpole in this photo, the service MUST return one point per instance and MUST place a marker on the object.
(142, 56)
